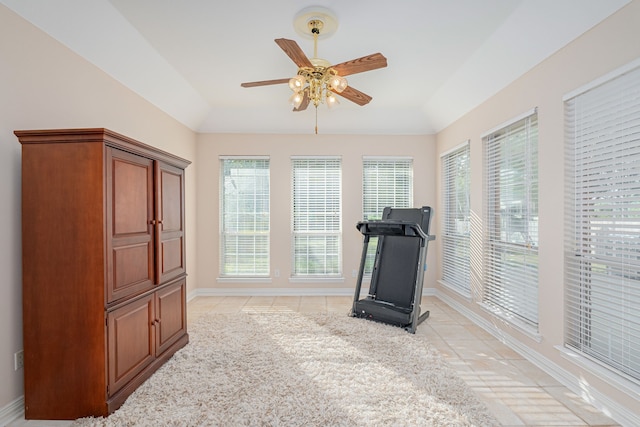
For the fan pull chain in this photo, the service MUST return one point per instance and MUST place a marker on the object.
(316, 119)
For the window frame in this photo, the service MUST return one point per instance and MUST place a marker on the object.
(456, 219)
(261, 267)
(325, 224)
(602, 266)
(510, 266)
(372, 210)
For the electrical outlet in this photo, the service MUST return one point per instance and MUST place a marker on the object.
(18, 360)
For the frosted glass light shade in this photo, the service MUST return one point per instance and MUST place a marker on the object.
(338, 83)
(297, 83)
(332, 100)
(296, 99)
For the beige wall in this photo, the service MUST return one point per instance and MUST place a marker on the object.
(606, 47)
(280, 148)
(45, 85)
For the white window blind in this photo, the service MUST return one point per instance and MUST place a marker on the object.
(511, 221)
(317, 217)
(385, 182)
(456, 181)
(602, 247)
(244, 213)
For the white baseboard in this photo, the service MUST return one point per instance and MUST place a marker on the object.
(621, 414)
(429, 292)
(269, 292)
(12, 412)
(226, 292)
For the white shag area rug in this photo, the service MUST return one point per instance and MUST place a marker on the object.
(294, 369)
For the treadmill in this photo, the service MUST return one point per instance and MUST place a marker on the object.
(398, 271)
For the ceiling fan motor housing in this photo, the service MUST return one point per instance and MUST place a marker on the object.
(321, 18)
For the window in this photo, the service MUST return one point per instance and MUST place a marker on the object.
(385, 182)
(456, 219)
(317, 217)
(511, 221)
(244, 213)
(602, 247)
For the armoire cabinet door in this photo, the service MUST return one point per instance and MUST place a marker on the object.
(130, 214)
(131, 341)
(171, 315)
(170, 213)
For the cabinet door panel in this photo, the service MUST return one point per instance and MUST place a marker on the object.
(171, 314)
(130, 245)
(171, 220)
(131, 341)
(172, 255)
(131, 187)
(171, 198)
(130, 265)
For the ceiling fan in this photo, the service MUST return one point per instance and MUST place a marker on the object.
(317, 81)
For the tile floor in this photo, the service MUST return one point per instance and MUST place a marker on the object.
(518, 393)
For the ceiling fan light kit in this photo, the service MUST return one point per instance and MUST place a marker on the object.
(317, 81)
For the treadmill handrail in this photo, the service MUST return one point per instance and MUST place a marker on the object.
(390, 227)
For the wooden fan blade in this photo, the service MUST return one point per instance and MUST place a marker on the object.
(265, 83)
(354, 95)
(294, 52)
(305, 102)
(359, 65)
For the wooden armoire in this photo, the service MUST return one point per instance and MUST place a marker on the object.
(104, 277)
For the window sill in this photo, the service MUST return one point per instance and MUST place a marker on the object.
(243, 279)
(618, 380)
(519, 326)
(464, 295)
(317, 279)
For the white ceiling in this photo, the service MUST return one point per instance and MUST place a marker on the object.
(189, 57)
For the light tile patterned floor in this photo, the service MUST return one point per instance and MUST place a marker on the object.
(517, 392)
